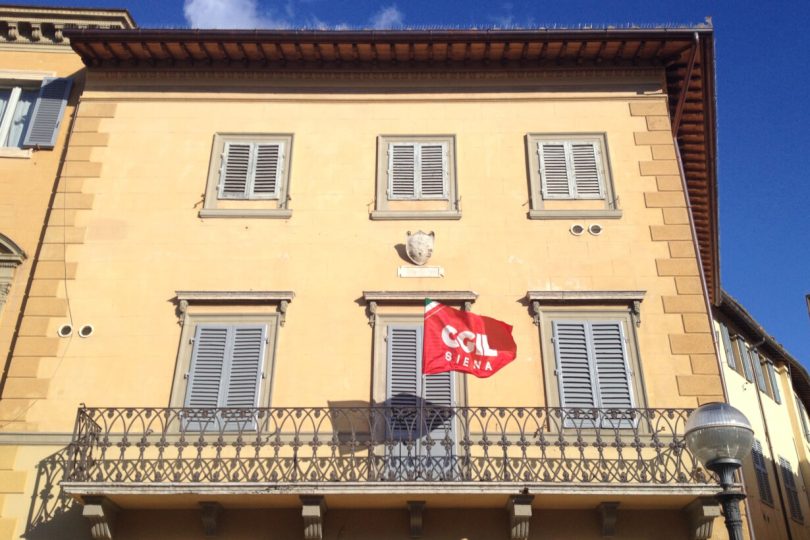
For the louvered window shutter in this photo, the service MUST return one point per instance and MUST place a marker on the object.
(790, 487)
(554, 170)
(404, 374)
(438, 423)
(269, 164)
(245, 366)
(574, 369)
(587, 165)
(727, 346)
(756, 364)
(761, 470)
(802, 412)
(236, 170)
(402, 171)
(777, 395)
(613, 372)
(433, 170)
(743, 356)
(211, 347)
(48, 112)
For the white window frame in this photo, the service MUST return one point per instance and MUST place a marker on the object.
(17, 81)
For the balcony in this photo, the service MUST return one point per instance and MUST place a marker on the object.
(382, 450)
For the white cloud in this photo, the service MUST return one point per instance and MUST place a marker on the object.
(230, 14)
(387, 17)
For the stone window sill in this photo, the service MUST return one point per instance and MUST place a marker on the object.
(381, 215)
(275, 213)
(574, 214)
(18, 153)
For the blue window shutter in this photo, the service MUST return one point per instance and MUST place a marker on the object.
(574, 369)
(727, 346)
(211, 348)
(761, 470)
(614, 386)
(48, 112)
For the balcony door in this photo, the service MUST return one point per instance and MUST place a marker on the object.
(420, 412)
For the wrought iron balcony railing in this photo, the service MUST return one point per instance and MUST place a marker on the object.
(527, 445)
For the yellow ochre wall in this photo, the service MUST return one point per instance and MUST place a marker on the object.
(133, 184)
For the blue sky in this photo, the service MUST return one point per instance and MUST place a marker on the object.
(763, 112)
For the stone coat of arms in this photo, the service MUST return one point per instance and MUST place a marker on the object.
(419, 246)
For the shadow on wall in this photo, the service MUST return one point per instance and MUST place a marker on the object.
(53, 515)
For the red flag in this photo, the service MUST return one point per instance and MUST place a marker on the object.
(461, 341)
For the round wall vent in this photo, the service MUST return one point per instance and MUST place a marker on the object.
(86, 330)
(65, 330)
(577, 229)
(595, 229)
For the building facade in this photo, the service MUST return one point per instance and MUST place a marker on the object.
(772, 388)
(41, 79)
(243, 357)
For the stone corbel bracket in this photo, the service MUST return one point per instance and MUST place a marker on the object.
(701, 514)
(538, 299)
(372, 299)
(415, 510)
(281, 299)
(209, 513)
(520, 516)
(100, 512)
(608, 513)
(313, 510)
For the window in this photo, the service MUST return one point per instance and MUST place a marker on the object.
(761, 471)
(726, 339)
(416, 178)
(248, 176)
(774, 380)
(31, 110)
(756, 365)
(591, 366)
(225, 360)
(420, 414)
(11, 256)
(790, 488)
(570, 177)
(801, 411)
(742, 359)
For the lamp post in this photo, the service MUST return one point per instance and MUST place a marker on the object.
(720, 436)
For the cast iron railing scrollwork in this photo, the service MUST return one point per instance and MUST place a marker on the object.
(382, 444)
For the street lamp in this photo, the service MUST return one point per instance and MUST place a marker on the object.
(719, 436)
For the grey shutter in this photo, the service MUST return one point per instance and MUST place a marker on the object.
(777, 395)
(756, 365)
(207, 365)
(269, 161)
(401, 171)
(48, 111)
(587, 170)
(727, 346)
(790, 487)
(245, 367)
(743, 355)
(761, 471)
(235, 171)
(554, 170)
(576, 381)
(802, 412)
(403, 384)
(613, 372)
(433, 170)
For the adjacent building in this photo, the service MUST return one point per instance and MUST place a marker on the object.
(223, 335)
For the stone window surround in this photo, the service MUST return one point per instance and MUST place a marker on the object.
(537, 209)
(588, 305)
(210, 203)
(382, 210)
(30, 80)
